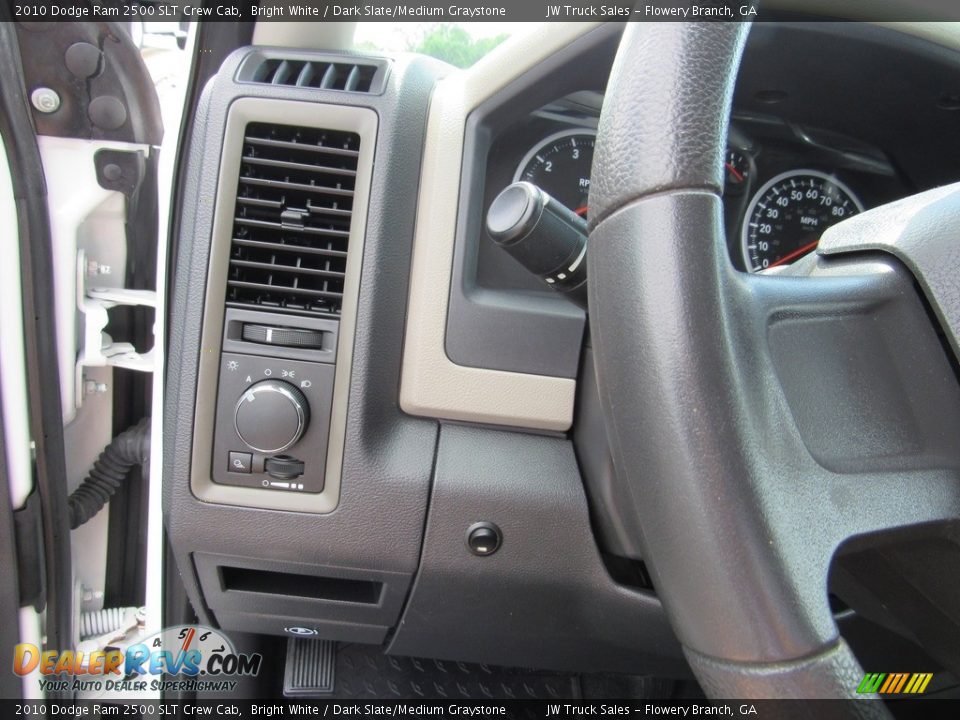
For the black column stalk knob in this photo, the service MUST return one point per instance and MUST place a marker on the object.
(544, 236)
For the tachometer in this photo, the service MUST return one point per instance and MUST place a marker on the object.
(560, 164)
(789, 214)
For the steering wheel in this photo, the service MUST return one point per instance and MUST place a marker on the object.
(729, 397)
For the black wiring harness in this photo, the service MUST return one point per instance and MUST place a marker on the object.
(129, 448)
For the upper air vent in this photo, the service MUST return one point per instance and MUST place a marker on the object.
(361, 75)
(291, 225)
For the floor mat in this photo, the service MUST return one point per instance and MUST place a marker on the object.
(365, 672)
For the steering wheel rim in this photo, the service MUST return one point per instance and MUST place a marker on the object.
(687, 386)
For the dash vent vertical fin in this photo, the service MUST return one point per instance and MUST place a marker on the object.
(291, 224)
(341, 72)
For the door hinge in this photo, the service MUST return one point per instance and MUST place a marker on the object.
(97, 348)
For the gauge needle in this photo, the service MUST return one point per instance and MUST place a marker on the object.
(737, 175)
(795, 254)
(581, 211)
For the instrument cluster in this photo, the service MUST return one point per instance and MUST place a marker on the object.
(784, 185)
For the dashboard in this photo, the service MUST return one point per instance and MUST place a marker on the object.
(446, 385)
(868, 118)
(785, 183)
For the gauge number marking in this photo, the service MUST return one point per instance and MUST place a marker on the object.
(560, 165)
(788, 215)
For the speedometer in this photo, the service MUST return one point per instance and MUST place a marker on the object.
(560, 164)
(789, 214)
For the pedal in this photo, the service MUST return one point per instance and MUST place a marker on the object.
(310, 668)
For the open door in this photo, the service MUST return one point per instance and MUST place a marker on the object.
(81, 127)
(10, 599)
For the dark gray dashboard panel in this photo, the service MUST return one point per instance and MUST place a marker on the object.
(376, 529)
(888, 89)
(531, 330)
(544, 599)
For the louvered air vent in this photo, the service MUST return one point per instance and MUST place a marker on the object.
(352, 77)
(292, 218)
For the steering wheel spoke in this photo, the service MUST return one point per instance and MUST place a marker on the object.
(758, 421)
(891, 501)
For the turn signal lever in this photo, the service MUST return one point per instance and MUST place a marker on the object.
(547, 238)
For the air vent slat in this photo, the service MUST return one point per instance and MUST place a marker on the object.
(353, 79)
(302, 249)
(281, 267)
(257, 202)
(329, 77)
(283, 184)
(292, 217)
(286, 227)
(283, 289)
(282, 74)
(321, 210)
(267, 142)
(266, 162)
(303, 79)
(333, 72)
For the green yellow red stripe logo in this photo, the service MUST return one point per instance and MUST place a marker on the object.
(894, 683)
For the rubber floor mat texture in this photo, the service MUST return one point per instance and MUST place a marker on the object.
(368, 673)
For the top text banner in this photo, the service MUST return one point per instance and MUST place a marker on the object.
(474, 11)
